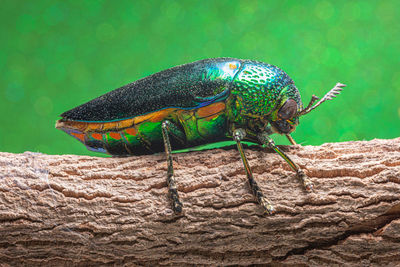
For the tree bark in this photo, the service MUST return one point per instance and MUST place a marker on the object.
(85, 211)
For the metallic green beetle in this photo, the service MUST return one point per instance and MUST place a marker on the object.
(202, 102)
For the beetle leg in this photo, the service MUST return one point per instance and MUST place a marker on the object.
(265, 139)
(175, 132)
(238, 136)
(291, 140)
(173, 192)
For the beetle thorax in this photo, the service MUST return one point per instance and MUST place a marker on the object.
(257, 88)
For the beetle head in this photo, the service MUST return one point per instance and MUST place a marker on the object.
(286, 121)
(284, 118)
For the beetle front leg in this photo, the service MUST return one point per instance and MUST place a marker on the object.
(265, 139)
(166, 127)
(238, 136)
(291, 140)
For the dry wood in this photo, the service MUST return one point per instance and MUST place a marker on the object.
(86, 211)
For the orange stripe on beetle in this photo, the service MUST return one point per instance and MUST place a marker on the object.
(131, 131)
(160, 115)
(125, 123)
(97, 136)
(115, 135)
(110, 125)
(142, 118)
(76, 125)
(210, 110)
(80, 136)
(94, 126)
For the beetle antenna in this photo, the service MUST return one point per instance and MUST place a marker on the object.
(330, 95)
(308, 108)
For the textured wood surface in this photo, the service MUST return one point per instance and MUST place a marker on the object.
(86, 211)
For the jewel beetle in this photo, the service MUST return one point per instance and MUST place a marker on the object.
(206, 101)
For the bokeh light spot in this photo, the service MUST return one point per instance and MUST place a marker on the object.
(347, 136)
(351, 10)
(79, 74)
(386, 12)
(322, 126)
(26, 23)
(53, 15)
(212, 48)
(14, 92)
(55, 73)
(105, 32)
(43, 106)
(335, 35)
(324, 10)
(171, 9)
(396, 80)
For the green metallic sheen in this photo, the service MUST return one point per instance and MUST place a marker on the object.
(187, 86)
(261, 87)
(252, 92)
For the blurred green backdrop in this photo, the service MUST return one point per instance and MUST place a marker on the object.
(55, 55)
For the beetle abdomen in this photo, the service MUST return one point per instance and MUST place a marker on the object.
(133, 136)
(142, 134)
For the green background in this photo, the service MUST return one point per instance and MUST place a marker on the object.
(55, 55)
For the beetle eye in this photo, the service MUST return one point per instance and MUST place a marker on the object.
(288, 110)
(283, 126)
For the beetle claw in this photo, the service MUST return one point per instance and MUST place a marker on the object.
(307, 183)
(177, 207)
(270, 210)
(309, 186)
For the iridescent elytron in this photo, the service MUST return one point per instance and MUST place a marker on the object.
(193, 104)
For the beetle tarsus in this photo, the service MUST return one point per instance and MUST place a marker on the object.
(308, 185)
(238, 136)
(173, 192)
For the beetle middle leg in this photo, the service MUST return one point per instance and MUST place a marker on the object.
(265, 139)
(238, 136)
(169, 127)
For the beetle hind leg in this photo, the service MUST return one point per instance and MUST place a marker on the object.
(238, 136)
(166, 127)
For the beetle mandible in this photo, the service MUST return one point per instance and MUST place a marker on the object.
(206, 101)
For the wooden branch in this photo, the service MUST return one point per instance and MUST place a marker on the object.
(86, 211)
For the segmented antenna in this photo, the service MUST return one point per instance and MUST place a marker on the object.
(330, 95)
